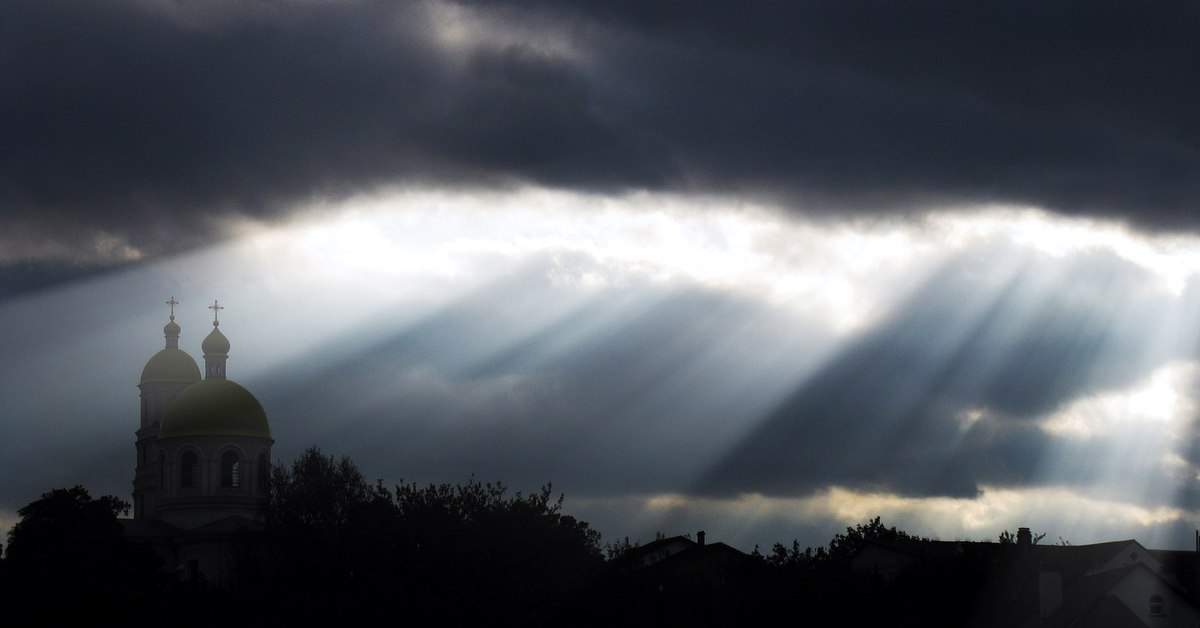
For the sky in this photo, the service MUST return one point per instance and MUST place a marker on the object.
(766, 270)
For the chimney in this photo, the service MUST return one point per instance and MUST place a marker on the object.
(700, 538)
(1024, 536)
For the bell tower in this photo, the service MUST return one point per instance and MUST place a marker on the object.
(165, 375)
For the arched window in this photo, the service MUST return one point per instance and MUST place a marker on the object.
(230, 472)
(187, 470)
(264, 470)
(1158, 606)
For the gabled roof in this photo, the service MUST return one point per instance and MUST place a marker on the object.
(660, 543)
(1110, 611)
(1084, 559)
(1091, 597)
(633, 557)
(1089, 574)
(1183, 566)
(1072, 561)
(697, 552)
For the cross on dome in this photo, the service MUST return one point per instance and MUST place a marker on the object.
(216, 308)
(172, 302)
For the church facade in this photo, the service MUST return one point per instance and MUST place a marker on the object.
(203, 456)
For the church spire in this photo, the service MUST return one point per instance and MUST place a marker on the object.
(215, 347)
(171, 329)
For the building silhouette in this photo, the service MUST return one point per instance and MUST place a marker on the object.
(203, 456)
(1115, 584)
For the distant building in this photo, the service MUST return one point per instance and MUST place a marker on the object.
(680, 581)
(203, 456)
(652, 553)
(1114, 584)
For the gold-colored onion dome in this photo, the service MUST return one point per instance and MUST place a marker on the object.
(171, 365)
(215, 407)
(215, 343)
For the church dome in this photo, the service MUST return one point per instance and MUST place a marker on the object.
(171, 365)
(215, 343)
(215, 407)
(172, 328)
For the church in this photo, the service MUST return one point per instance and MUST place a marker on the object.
(203, 456)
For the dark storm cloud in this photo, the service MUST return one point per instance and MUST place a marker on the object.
(142, 118)
(890, 411)
(26, 277)
(1082, 106)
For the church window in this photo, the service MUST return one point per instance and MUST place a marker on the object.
(187, 470)
(230, 472)
(1158, 605)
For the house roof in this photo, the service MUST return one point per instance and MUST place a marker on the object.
(1110, 611)
(1086, 591)
(635, 555)
(1090, 597)
(1082, 559)
(1071, 560)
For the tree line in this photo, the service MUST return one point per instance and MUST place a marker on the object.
(332, 547)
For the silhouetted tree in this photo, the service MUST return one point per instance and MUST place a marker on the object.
(68, 560)
(304, 561)
(520, 554)
(317, 494)
(613, 551)
(332, 545)
(65, 526)
(824, 577)
(842, 547)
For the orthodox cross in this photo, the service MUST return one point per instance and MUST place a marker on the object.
(216, 308)
(172, 302)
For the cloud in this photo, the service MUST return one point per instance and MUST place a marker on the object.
(594, 395)
(550, 336)
(750, 519)
(953, 389)
(153, 121)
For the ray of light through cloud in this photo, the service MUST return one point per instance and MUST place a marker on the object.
(742, 250)
(633, 340)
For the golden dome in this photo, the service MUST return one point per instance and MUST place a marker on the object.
(215, 407)
(215, 343)
(171, 365)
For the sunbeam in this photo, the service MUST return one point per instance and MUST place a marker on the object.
(667, 360)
